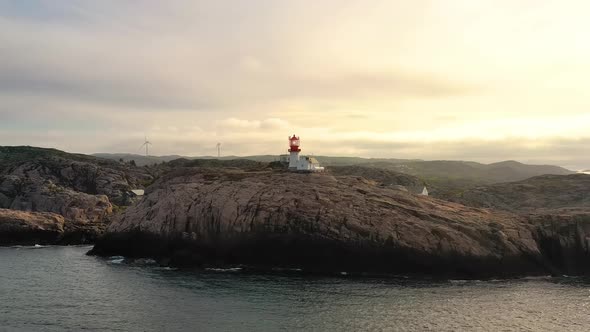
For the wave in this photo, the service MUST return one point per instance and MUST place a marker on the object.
(36, 246)
(537, 277)
(230, 269)
(286, 269)
(165, 268)
(116, 259)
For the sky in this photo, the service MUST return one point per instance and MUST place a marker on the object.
(485, 80)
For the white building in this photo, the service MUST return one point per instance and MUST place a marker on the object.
(309, 164)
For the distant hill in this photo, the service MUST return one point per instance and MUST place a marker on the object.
(447, 177)
(217, 163)
(490, 173)
(545, 192)
(142, 160)
(453, 177)
(15, 155)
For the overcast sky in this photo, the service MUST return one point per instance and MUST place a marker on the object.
(484, 80)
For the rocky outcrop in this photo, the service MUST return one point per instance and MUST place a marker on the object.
(80, 188)
(321, 222)
(29, 228)
(382, 177)
(23, 167)
(564, 239)
(43, 195)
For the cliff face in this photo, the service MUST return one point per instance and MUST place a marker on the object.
(564, 239)
(321, 222)
(29, 228)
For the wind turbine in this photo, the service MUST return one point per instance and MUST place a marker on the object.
(146, 144)
(218, 150)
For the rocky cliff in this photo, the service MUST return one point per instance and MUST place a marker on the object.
(323, 222)
(30, 228)
(564, 239)
(80, 188)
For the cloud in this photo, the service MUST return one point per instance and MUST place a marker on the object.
(96, 53)
(240, 124)
(389, 78)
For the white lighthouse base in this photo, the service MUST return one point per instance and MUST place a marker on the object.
(293, 161)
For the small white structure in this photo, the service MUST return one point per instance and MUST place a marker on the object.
(424, 192)
(309, 164)
(138, 192)
(303, 163)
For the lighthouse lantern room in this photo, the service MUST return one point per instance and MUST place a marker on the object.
(293, 152)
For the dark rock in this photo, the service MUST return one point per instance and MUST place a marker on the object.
(30, 228)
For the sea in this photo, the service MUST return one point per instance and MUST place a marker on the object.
(62, 289)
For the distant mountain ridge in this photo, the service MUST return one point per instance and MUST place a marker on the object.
(142, 160)
(448, 177)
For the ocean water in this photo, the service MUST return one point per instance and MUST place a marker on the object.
(60, 288)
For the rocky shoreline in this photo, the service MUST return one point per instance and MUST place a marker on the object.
(205, 217)
(356, 219)
(45, 228)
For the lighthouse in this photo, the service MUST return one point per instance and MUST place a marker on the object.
(293, 152)
(297, 163)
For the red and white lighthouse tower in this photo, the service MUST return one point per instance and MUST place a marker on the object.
(293, 152)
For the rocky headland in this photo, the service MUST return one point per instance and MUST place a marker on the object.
(239, 212)
(83, 190)
(322, 222)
